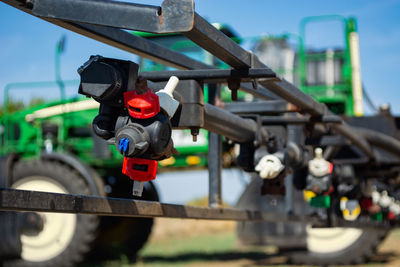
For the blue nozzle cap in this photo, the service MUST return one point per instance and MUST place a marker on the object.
(123, 144)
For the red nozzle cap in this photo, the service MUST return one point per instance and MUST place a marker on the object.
(142, 106)
(140, 169)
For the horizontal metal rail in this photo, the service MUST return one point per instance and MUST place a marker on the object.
(211, 76)
(22, 200)
(285, 120)
(258, 107)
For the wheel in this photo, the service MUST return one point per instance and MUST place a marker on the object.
(65, 238)
(121, 235)
(302, 244)
(338, 246)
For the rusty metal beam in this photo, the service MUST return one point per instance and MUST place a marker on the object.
(171, 16)
(21, 200)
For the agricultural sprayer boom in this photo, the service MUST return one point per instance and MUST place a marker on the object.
(337, 160)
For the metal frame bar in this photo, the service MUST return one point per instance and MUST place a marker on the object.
(22, 200)
(260, 107)
(214, 156)
(230, 125)
(210, 76)
(172, 16)
(214, 170)
(218, 44)
(284, 120)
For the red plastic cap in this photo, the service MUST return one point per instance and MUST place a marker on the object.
(140, 169)
(142, 106)
(366, 203)
(330, 168)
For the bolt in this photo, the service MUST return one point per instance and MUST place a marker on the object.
(194, 132)
(141, 86)
(29, 4)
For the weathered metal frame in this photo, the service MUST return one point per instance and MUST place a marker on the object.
(247, 68)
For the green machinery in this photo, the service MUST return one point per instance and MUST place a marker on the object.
(333, 76)
(330, 75)
(64, 126)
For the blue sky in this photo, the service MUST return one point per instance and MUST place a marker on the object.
(28, 43)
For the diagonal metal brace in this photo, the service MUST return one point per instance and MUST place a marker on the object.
(172, 16)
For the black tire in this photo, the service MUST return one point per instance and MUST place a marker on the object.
(140, 228)
(293, 239)
(124, 236)
(359, 251)
(82, 231)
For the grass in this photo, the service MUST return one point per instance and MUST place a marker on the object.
(181, 252)
(220, 249)
(197, 249)
(196, 243)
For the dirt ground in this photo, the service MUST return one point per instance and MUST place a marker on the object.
(176, 242)
(178, 228)
(389, 251)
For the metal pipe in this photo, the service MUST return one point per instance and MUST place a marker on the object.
(294, 135)
(214, 170)
(258, 107)
(209, 75)
(214, 156)
(378, 139)
(284, 120)
(293, 95)
(357, 139)
(227, 124)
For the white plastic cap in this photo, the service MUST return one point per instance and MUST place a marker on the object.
(395, 208)
(385, 200)
(269, 167)
(171, 85)
(318, 166)
(166, 99)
